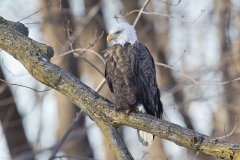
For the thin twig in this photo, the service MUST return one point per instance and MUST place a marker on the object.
(225, 82)
(148, 13)
(92, 44)
(140, 12)
(92, 65)
(19, 85)
(63, 140)
(69, 33)
(99, 87)
(193, 80)
(182, 18)
(93, 11)
(85, 51)
(230, 133)
(172, 68)
(34, 12)
(96, 40)
(179, 58)
(81, 50)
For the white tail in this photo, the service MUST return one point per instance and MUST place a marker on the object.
(145, 138)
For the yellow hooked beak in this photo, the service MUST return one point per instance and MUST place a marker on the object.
(111, 37)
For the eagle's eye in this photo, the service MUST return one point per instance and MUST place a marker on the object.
(118, 32)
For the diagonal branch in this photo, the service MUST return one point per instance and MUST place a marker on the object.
(63, 140)
(140, 12)
(35, 57)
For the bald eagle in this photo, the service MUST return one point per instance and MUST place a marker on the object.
(131, 76)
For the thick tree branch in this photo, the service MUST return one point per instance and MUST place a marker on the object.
(35, 57)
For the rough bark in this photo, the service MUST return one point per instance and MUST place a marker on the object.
(58, 27)
(36, 58)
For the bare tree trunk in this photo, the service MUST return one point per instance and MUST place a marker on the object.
(11, 120)
(222, 11)
(58, 27)
(230, 67)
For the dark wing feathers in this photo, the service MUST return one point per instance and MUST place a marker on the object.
(109, 66)
(145, 77)
(109, 82)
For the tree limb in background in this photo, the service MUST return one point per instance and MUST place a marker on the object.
(63, 140)
(230, 69)
(140, 12)
(12, 126)
(36, 58)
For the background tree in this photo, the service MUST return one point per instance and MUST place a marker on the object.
(11, 122)
(229, 66)
(59, 26)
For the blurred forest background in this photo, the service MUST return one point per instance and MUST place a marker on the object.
(196, 47)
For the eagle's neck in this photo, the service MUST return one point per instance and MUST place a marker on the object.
(123, 42)
(127, 37)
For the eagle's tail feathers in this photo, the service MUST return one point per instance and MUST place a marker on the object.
(145, 138)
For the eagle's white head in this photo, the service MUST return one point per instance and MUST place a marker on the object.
(122, 33)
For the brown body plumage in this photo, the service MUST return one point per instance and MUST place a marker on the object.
(130, 74)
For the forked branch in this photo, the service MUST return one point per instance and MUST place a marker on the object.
(36, 58)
